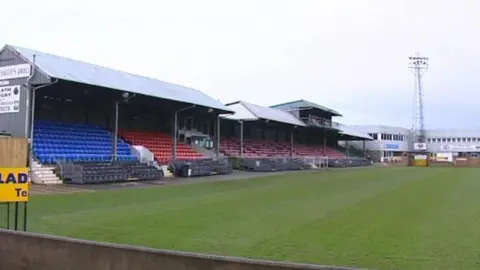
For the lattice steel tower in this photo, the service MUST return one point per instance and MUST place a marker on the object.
(418, 65)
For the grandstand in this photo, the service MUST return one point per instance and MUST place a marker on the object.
(88, 118)
(299, 128)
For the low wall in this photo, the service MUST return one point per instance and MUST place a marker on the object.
(25, 251)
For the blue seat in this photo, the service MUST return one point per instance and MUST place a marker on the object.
(53, 142)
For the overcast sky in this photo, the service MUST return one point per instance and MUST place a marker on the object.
(350, 55)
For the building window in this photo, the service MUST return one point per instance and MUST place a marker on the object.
(449, 139)
(429, 140)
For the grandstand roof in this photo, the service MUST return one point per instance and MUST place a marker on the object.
(241, 113)
(304, 104)
(81, 72)
(349, 131)
(266, 113)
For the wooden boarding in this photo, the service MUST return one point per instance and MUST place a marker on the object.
(13, 152)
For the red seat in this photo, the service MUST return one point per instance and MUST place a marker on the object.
(160, 144)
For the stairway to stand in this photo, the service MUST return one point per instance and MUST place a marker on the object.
(44, 175)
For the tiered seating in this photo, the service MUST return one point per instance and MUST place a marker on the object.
(161, 145)
(264, 148)
(254, 148)
(315, 150)
(55, 142)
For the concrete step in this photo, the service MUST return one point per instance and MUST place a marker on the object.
(43, 172)
(44, 175)
(166, 172)
(50, 182)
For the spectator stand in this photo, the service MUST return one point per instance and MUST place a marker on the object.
(319, 119)
(255, 132)
(94, 103)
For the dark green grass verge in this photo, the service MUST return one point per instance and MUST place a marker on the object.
(388, 218)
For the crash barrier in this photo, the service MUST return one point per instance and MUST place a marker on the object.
(349, 162)
(199, 167)
(31, 251)
(97, 173)
(274, 164)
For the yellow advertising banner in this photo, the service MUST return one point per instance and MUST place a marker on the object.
(14, 184)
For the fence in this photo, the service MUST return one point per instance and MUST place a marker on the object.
(262, 163)
(13, 152)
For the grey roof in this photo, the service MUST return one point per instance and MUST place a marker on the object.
(241, 113)
(292, 105)
(346, 130)
(81, 72)
(271, 114)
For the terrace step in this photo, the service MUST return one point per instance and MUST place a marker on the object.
(44, 175)
(166, 172)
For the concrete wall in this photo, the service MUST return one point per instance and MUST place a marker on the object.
(25, 251)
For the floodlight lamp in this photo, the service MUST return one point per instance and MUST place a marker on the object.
(210, 110)
(125, 94)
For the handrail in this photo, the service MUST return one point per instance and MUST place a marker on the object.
(61, 167)
(170, 163)
(36, 159)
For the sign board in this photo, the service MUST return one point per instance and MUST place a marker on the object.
(15, 72)
(420, 146)
(4, 83)
(10, 99)
(14, 184)
(460, 147)
(392, 146)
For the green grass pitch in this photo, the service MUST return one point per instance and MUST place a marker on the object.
(386, 218)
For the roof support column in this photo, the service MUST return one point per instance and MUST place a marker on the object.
(175, 135)
(364, 149)
(126, 98)
(115, 132)
(346, 149)
(241, 138)
(291, 143)
(324, 141)
(218, 136)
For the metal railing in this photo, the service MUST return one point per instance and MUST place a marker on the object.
(320, 122)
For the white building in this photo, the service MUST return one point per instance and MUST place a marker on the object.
(387, 140)
(392, 141)
(456, 141)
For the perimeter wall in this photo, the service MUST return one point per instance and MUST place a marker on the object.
(29, 251)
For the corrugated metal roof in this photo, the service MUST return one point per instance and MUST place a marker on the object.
(353, 132)
(241, 113)
(304, 104)
(271, 114)
(77, 71)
